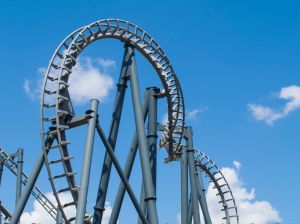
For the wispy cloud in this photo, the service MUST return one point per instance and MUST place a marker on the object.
(193, 114)
(263, 113)
(89, 79)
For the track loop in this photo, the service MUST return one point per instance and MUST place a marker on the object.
(57, 110)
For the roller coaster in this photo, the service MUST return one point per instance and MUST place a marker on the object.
(58, 117)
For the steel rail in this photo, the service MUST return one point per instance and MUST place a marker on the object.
(47, 116)
(56, 104)
(220, 183)
(36, 192)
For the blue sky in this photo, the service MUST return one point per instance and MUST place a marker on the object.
(227, 54)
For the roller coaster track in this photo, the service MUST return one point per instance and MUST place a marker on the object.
(57, 112)
(220, 183)
(36, 192)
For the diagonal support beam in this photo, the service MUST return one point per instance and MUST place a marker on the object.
(121, 174)
(30, 184)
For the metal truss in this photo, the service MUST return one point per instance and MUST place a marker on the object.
(12, 166)
(58, 116)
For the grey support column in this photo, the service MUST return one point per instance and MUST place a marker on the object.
(184, 186)
(86, 166)
(19, 174)
(30, 184)
(121, 174)
(150, 196)
(1, 172)
(58, 216)
(128, 167)
(106, 168)
(190, 214)
(152, 131)
(152, 141)
(202, 197)
(193, 172)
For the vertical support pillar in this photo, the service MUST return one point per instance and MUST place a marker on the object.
(86, 165)
(152, 131)
(140, 129)
(0, 201)
(106, 168)
(19, 174)
(152, 140)
(127, 170)
(193, 172)
(30, 184)
(1, 172)
(58, 216)
(202, 197)
(184, 187)
(190, 214)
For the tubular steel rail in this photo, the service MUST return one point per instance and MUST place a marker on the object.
(216, 176)
(57, 109)
(57, 112)
(36, 192)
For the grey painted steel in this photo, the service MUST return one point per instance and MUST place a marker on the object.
(29, 186)
(36, 192)
(190, 215)
(1, 171)
(57, 116)
(127, 170)
(56, 104)
(202, 197)
(190, 155)
(221, 185)
(19, 174)
(151, 141)
(112, 138)
(152, 131)
(59, 219)
(4, 211)
(184, 187)
(86, 165)
(142, 202)
(150, 196)
(121, 174)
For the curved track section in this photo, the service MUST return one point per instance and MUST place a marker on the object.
(57, 157)
(221, 185)
(57, 109)
(36, 192)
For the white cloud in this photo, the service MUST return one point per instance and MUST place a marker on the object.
(38, 214)
(190, 115)
(106, 63)
(193, 114)
(250, 209)
(88, 80)
(262, 113)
